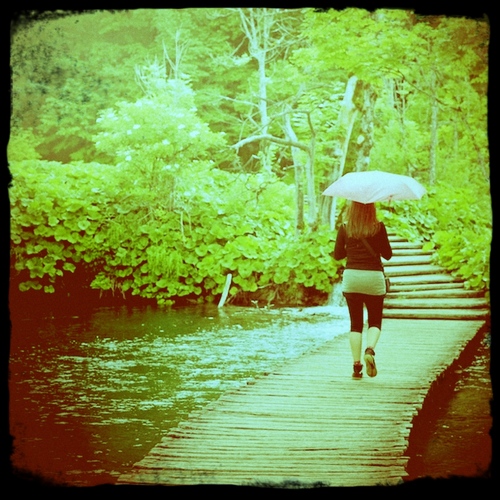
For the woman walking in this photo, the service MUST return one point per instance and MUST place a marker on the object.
(363, 240)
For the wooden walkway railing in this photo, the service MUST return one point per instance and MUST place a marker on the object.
(309, 423)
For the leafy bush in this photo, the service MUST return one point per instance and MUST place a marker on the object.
(463, 233)
(58, 214)
(64, 216)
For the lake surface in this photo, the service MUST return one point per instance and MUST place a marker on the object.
(92, 393)
(452, 431)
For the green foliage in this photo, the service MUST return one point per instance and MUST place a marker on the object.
(139, 196)
(66, 216)
(467, 254)
(463, 232)
(67, 67)
(159, 136)
(409, 219)
(58, 214)
(22, 145)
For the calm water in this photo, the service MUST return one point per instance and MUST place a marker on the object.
(92, 394)
(453, 430)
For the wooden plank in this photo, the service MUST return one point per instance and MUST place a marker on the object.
(405, 245)
(456, 314)
(424, 278)
(436, 303)
(403, 260)
(353, 477)
(452, 285)
(434, 293)
(408, 270)
(409, 251)
(317, 450)
(259, 464)
(313, 452)
(215, 424)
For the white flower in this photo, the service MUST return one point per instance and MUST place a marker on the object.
(136, 126)
(181, 126)
(128, 158)
(166, 142)
(194, 133)
(129, 132)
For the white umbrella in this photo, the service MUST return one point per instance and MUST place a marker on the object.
(372, 186)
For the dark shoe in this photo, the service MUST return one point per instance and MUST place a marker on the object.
(371, 368)
(357, 370)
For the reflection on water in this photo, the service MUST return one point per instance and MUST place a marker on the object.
(91, 395)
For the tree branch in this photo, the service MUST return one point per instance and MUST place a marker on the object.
(271, 138)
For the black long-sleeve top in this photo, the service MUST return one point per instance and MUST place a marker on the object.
(358, 256)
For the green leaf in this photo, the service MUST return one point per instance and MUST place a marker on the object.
(68, 266)
(53, 221)
(83, 224)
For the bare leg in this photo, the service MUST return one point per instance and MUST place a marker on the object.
(355, 341)
(372, 337)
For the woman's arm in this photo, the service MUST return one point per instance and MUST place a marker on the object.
(385, 245)
(339, 252)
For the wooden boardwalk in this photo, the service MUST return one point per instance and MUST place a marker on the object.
(308, 423)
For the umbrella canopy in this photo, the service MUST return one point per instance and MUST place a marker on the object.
(372, 186)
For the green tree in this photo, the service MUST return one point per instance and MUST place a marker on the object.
(389, 54)
(159, 137)
(62, 75)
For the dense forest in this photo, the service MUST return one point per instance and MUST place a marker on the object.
(155, 152)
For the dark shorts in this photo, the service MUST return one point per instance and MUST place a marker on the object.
(374, 305)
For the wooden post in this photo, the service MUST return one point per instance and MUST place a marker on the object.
(229, 277)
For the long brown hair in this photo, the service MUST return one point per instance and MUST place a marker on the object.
(361, 220)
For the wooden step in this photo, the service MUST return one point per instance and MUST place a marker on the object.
(409, 251)
(403, 260)
(411, 270)
(424, 278)
(459, 314)
(434, 293)
(438, 303)
(401, 288)
(405, 245)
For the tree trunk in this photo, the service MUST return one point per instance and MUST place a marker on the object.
(264, 118)
(311, 183)
(345, 148)
(397, 95)
(299, 176)
(345, 123)
(256, 25)
(434, 134)
(365, 138)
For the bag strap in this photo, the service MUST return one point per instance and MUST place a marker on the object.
(367, 245)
